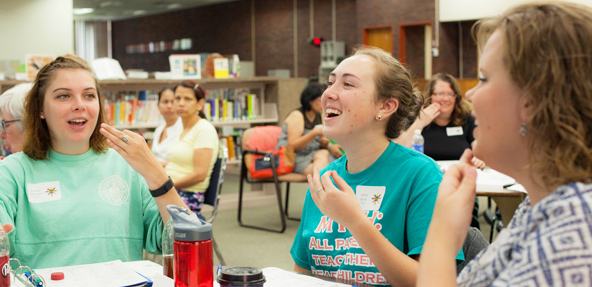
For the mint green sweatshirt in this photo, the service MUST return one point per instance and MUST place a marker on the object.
(80, 209)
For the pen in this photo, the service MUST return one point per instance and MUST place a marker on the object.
(218, 271)
(508, 185)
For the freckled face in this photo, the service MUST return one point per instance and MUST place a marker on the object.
(349, 101)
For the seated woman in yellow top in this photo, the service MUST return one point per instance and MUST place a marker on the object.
(194, 152)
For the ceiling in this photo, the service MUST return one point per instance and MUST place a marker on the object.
(125, 9)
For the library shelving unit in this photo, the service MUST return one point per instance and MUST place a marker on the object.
(272, 108)
(276, 97)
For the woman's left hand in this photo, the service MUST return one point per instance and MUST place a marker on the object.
(478, 163)
(133, 148)
(339, 203)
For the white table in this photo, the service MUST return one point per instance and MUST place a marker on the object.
(498, 187)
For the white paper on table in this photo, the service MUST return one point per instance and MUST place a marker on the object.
(160, 280)
(489, 180)
(112, 273)
(276, 277)
(145, 267)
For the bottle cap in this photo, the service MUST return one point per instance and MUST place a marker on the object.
(241, 276)
(188, 227)
(57, 276)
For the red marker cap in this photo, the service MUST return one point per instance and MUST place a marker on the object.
(57, 276)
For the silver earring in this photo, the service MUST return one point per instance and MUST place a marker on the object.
(379, 116)
(523, 129)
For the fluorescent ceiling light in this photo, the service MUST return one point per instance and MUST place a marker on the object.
(174, 6)
(139, 12)
(82, 11)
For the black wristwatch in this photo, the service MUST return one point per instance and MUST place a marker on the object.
(163, 189)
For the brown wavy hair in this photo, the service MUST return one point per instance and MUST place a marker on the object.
(393, 81)
(37, 137)
(548, 54)
(461, 106)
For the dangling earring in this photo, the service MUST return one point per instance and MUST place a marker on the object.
(379, 116)
(523, 129)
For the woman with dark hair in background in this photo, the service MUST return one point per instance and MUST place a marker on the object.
(303, 130)
(194, 152)
(164, 135)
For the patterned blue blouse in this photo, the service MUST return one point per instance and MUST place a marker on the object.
(548, 244)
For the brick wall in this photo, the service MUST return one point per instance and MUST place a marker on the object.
(226, 28)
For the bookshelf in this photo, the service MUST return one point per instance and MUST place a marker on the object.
(276, 97)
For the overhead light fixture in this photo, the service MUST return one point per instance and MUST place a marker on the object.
(139, 12)
(82, 11)
(174, 6)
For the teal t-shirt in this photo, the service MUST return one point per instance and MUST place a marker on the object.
(400, 190)
(77, 209)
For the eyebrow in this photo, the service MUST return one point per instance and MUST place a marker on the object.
(344, 75)
(66, 89)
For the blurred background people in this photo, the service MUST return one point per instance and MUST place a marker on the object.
(192, 155)
(164, 134)
(303, 130)
(446, 125)
(11, 112)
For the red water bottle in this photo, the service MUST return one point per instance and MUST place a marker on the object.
(4, 253)
(193, 249)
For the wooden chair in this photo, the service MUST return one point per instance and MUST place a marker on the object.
(277, 180)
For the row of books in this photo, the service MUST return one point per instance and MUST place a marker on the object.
(243, 108)
(232, 146)
(221, 105)
(132, 110)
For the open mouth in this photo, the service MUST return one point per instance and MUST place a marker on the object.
(78, 122)
(331, 113)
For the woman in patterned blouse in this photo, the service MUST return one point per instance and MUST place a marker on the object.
(533, 106)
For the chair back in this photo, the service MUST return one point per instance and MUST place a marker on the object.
(474, 243)
(212, 194)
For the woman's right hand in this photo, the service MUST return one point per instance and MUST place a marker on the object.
(456, 198)
(337, 202)
(428, 114)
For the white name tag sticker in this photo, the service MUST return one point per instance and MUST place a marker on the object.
(43, 192)
(454, 131)
(370, 197)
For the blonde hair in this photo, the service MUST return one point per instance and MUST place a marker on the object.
(461, 106)
(393, 81)
(548, 54)
(37, 137)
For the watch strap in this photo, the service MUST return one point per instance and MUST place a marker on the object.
(163, 189)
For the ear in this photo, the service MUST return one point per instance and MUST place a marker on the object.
(388, 107)
(201, 103)
(524, 108)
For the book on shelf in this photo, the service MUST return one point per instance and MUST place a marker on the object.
(107, 69)
(186, 66)
(129, 109)
(230, 105)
